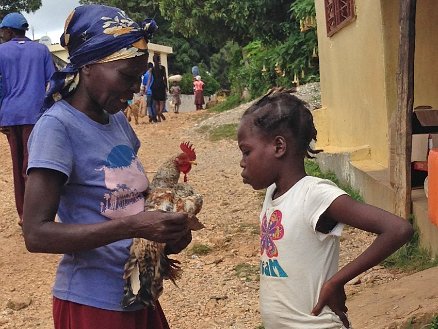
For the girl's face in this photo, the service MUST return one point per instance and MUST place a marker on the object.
(110, 85)
(258, 155)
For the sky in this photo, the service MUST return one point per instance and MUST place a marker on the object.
(49, 19)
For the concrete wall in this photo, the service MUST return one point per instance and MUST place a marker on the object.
(426, 54)
(187, 103)
(353, 84)
(359, 98)
(358, 68)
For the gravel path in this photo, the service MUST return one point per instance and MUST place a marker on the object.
(218, 289)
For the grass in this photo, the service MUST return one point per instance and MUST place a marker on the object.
(434, 323)
(413, 324)
(411, 257)
(247, 271)
(231, 102)
(312, 169)
(227, 131)
(199, 249)
(252, 228)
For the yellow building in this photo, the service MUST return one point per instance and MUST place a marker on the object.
(358, 43)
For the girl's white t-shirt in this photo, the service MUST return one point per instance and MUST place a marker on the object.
(295, 259)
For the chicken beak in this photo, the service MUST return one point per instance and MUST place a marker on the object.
(193, 163)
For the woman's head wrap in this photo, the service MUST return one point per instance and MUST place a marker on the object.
(96, 34)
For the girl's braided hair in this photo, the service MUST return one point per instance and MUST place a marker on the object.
(280, 113)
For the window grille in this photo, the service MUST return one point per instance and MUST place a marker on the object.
(338, 13)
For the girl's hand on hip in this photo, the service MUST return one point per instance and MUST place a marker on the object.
(334, 297)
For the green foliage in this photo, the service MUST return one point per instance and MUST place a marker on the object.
(210, 87)
(186, 84)
(234, 40)
(137, 10)
(230, 102)
(217, 21)
(434, 323)
(229, 55)
(8, 6)
(303, 8)
(411, 257)
(200, 249)
(247, 272)
(312, 169)
(281, 61)
(227, 131)
(186, 52)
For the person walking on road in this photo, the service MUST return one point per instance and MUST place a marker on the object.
(25, 68)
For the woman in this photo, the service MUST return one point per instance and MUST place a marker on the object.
(159, 87)
(198, 88)
(83, 168)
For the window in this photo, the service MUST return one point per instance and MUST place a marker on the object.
(338, 13)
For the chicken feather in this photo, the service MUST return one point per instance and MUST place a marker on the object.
(149, 257)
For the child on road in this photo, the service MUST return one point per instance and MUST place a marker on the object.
(175, 92)
(302, 220)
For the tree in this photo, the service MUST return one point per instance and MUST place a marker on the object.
(217, 21)
(186, 52)
(8, 6)
(243, 44)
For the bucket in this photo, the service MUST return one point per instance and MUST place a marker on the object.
(432, 195)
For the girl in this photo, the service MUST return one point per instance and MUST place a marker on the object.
(84, 170)
(175, 92)
(302, 219)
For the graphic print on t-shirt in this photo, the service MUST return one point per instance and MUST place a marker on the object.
(126, 179)
(271, 231)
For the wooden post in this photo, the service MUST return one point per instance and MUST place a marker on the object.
(405, 101)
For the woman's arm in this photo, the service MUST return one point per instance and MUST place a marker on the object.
(43, 234)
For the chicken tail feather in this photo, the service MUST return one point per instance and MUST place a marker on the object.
(171, 269)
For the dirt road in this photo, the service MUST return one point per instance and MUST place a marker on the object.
(218, 289)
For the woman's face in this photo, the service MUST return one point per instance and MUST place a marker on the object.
(110, 85)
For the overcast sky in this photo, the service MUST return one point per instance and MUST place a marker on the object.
(49, 19)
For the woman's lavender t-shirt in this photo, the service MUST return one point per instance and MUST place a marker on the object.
(105, 181)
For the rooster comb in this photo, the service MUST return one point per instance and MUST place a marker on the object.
(188, 149)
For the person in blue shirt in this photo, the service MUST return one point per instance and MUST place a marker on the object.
(25, 68)
(145, 89)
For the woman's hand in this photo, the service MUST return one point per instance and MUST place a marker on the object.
(161, 226)
(334, 297)
(180, 245)
(43, 234)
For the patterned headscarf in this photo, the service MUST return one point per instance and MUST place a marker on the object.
(96, 34)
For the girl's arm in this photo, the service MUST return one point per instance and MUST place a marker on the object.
(43, 234)
(392, 232)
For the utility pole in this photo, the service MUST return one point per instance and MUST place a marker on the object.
(405, 101)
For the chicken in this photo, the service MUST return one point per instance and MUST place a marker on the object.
(148, 257)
